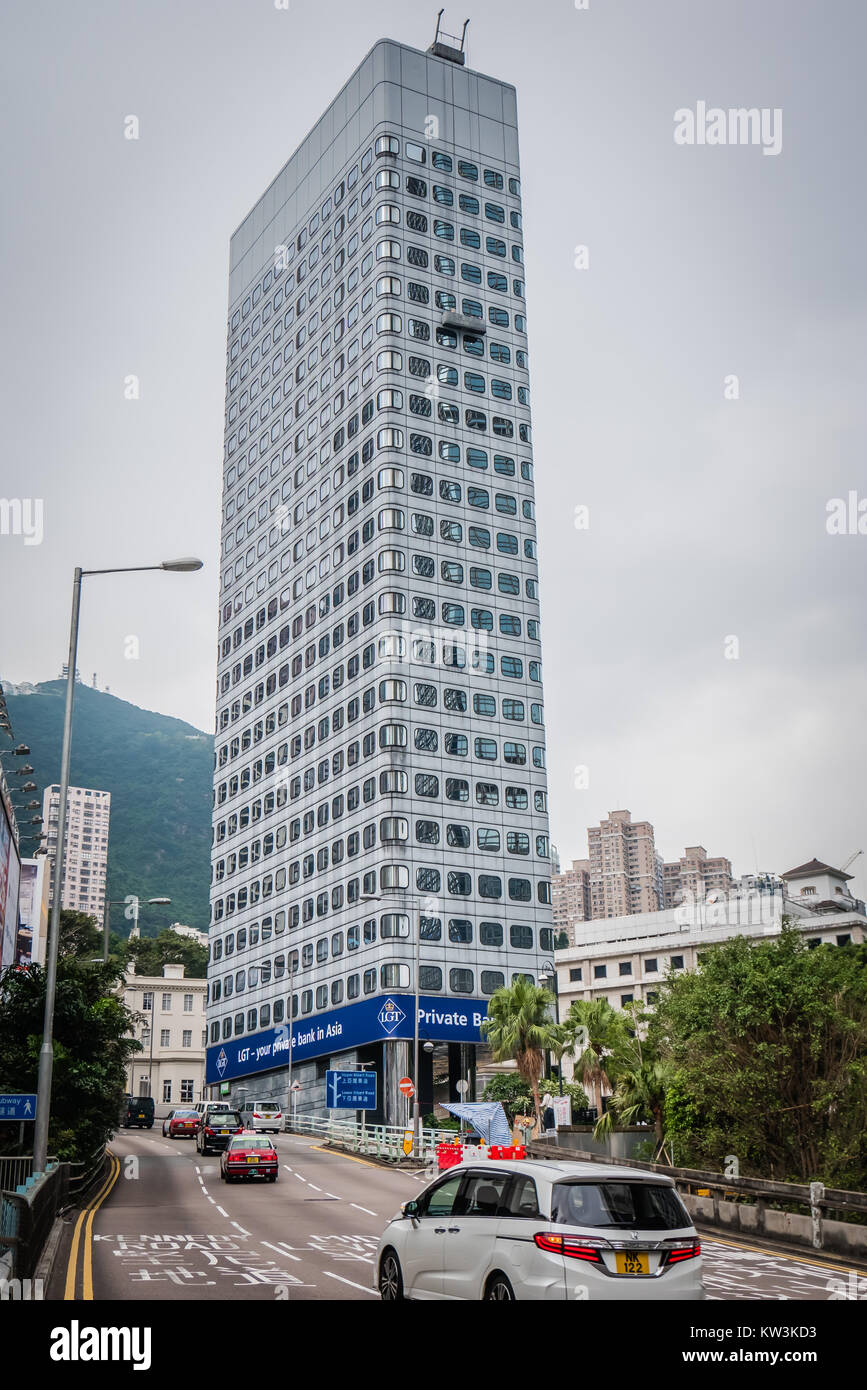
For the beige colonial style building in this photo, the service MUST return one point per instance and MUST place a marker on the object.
(171, 1029)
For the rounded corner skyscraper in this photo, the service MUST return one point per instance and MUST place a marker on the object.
(380, 788)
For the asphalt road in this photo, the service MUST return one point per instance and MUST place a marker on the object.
(169, 1228)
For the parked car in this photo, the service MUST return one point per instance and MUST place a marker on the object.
(182, 1123)
(249, 1155)
(137, 1111)
(216, 1130)
(262, 1115)
(524, 1229)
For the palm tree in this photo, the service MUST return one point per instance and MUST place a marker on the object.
(642, 1081)
(594, 1029)
(561, 1043)
(518, 1028)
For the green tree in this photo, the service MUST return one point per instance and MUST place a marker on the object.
(512, 1091)
(516, 1096)
(768, 1048)
(79, 935)
(92, 1042)
(150, 953)
(518, 1028)
(642, 1081)
(594, 1030)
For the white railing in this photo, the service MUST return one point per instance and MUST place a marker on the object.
(380, 1141)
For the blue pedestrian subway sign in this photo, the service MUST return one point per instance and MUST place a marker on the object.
(350, 1090)
(17, 1107)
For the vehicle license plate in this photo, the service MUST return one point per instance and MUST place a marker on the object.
(632, 1262)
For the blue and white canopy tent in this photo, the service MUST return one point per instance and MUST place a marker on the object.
(487, 1118)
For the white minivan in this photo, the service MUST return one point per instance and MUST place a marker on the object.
(263, 1115)
(502, 1230)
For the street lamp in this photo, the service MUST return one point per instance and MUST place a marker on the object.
(46, 1054)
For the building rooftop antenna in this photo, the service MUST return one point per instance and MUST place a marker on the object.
(448, 46)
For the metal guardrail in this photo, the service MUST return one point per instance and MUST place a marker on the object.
(379, 1141)
(83, 1174)
(27, 1215)
(761, 1195)
(29, 1203)
(17, 1169)
(787, 1193)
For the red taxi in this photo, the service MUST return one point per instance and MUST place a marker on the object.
(181, 1124)
(249, 1155)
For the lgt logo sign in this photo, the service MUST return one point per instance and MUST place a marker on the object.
(222, 1061)
(390, 1016)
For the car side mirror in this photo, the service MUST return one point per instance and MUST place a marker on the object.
(410, 1209)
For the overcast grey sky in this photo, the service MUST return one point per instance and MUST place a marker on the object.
(707, 516)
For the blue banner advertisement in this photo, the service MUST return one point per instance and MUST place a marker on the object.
(370, 1020)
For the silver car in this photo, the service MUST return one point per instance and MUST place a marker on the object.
(526, 1229)
(262, 1115)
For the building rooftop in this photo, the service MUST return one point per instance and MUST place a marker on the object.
(814, 866)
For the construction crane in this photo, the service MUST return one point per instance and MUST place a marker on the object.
(851, 860)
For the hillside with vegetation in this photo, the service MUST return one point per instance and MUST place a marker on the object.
(159, 771)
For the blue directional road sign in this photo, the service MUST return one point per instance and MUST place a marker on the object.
(17, 1107)
(350, 1090)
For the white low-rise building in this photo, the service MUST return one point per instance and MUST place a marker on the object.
(624, 959)
(171, 1028)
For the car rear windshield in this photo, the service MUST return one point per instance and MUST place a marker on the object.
(224, 1118)
(249, 1141)
(185, 1115)
(266, 1105)
(618, 1205)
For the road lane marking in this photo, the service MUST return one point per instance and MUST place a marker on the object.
(299, 1177)
(82, 1224)
(363, 1287)
(773, 1254)
(360, 1208)
(87, 1272)
(240, 1228)
(285, 1253)
(223, 1213)
(313, 1185)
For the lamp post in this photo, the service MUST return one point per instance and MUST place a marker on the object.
(416, 1103)
(46, 1054)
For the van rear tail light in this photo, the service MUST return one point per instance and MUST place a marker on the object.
(572, 1246)
(679, 1250)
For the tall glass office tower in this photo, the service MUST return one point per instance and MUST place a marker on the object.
(380, 787)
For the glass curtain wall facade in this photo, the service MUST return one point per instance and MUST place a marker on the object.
(380, 752)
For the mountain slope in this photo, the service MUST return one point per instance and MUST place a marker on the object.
(159, 771)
